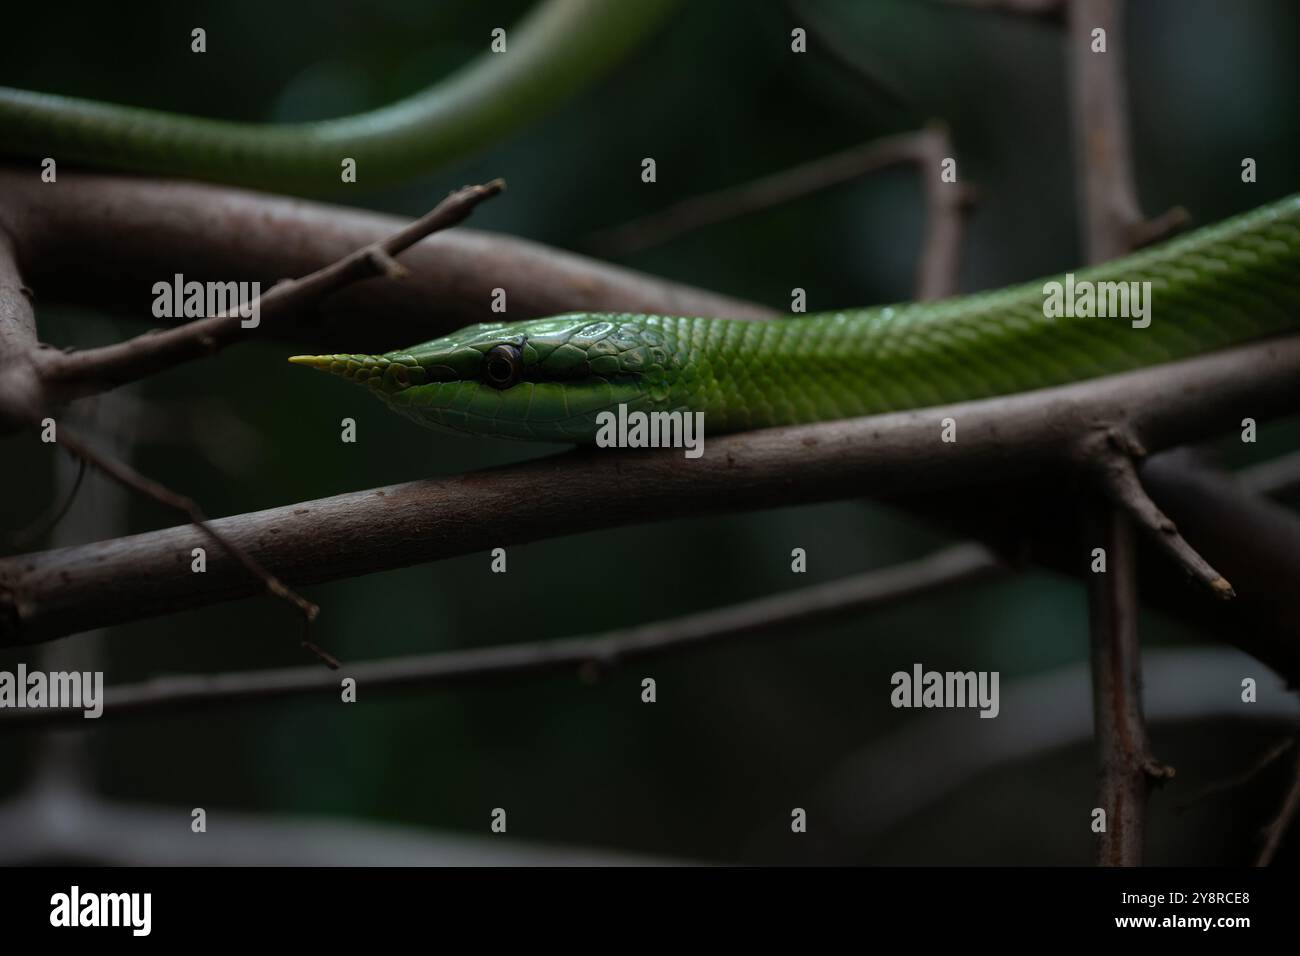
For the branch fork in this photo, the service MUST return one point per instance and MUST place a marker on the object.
(1112, 454)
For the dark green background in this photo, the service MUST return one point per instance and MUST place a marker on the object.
(741, 733)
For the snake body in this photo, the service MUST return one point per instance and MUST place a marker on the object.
(562, 46)
(549, 379)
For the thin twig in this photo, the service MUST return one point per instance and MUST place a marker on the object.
(1276, 830)
(1146, 232)
(1126, 762)
(690, 214)
(790, 613)
(69, 375)
(125, 475)
(1265, 761)
(1111, 459)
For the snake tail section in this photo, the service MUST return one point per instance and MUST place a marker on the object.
(562, 46)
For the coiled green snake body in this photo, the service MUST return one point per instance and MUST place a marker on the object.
(549, 379)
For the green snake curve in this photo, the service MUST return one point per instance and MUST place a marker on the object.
(560, 47)
(1216, 287)
(549, 379)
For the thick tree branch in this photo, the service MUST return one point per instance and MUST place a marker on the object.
(104, 240)
(62, 376)
(18, 341)
(17, 319)
(43, 596)
(72, 374)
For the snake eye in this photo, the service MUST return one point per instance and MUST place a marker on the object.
(503, 366)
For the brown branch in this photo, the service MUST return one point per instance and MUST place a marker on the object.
(71, 375)
(63, 376)
(1110, 455)
(1113, 220)
(1256, 545)
(1028, 435)
(99, 240)
(1113, 226)
(945, 217)
(18, 341)
(923, 148)
(1126, 762)
(788, 613)
(1275, 831)
(128, 477)
(17, 319)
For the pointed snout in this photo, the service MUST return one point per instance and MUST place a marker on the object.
(373, 370)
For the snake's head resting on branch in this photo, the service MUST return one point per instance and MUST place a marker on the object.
(539, 380)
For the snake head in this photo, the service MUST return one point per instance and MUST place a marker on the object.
(543, 379)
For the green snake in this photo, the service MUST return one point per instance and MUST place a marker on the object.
(550, 379)
(562, 46)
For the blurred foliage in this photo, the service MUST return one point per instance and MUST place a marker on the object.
(740, 733)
